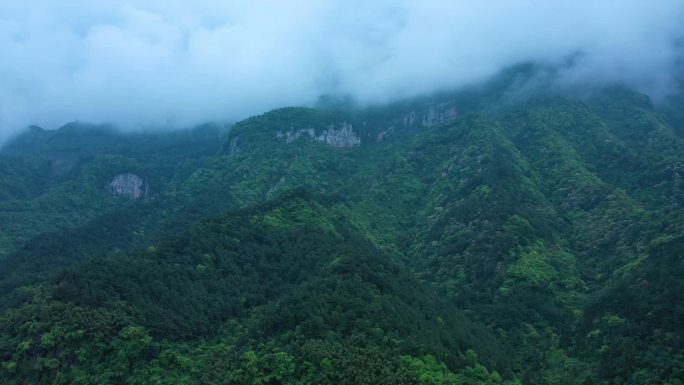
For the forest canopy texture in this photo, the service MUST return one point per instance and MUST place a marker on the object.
(463, 238)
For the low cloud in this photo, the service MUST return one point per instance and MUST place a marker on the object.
(142, 64)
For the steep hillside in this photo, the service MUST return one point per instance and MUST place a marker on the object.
(54, 180)
(283, 292)
(473, 237)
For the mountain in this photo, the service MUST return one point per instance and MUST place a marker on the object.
(477, 237)
(54, 179)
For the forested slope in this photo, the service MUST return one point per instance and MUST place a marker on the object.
(460, 238)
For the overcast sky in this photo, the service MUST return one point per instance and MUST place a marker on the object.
(152, 63)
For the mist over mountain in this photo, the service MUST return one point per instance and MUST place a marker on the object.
(361, 193)
(164, 64)
(471, 237)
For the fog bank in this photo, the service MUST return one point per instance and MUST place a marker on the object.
(175, 63)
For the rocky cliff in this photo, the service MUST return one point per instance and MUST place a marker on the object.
(129, 186)
(343, 136)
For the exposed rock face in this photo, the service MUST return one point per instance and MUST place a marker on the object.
(129, 186)
(293, 135)
(332, 136)
(431, 116)
(439, 114)
(342, 137)
(234, 145)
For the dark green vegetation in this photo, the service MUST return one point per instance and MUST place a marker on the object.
(469, 239)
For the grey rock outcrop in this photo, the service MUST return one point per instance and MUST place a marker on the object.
(340, 137)
(129, 186)
(292, 135)
(431, 116)
(343, 136)
(234, 145)
(439, 114)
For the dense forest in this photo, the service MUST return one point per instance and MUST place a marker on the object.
(474, 237)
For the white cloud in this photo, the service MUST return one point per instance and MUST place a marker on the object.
(141, 63)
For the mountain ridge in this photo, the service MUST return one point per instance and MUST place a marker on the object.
(551, 225)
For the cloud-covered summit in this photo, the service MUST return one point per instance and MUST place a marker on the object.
(152, 63)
